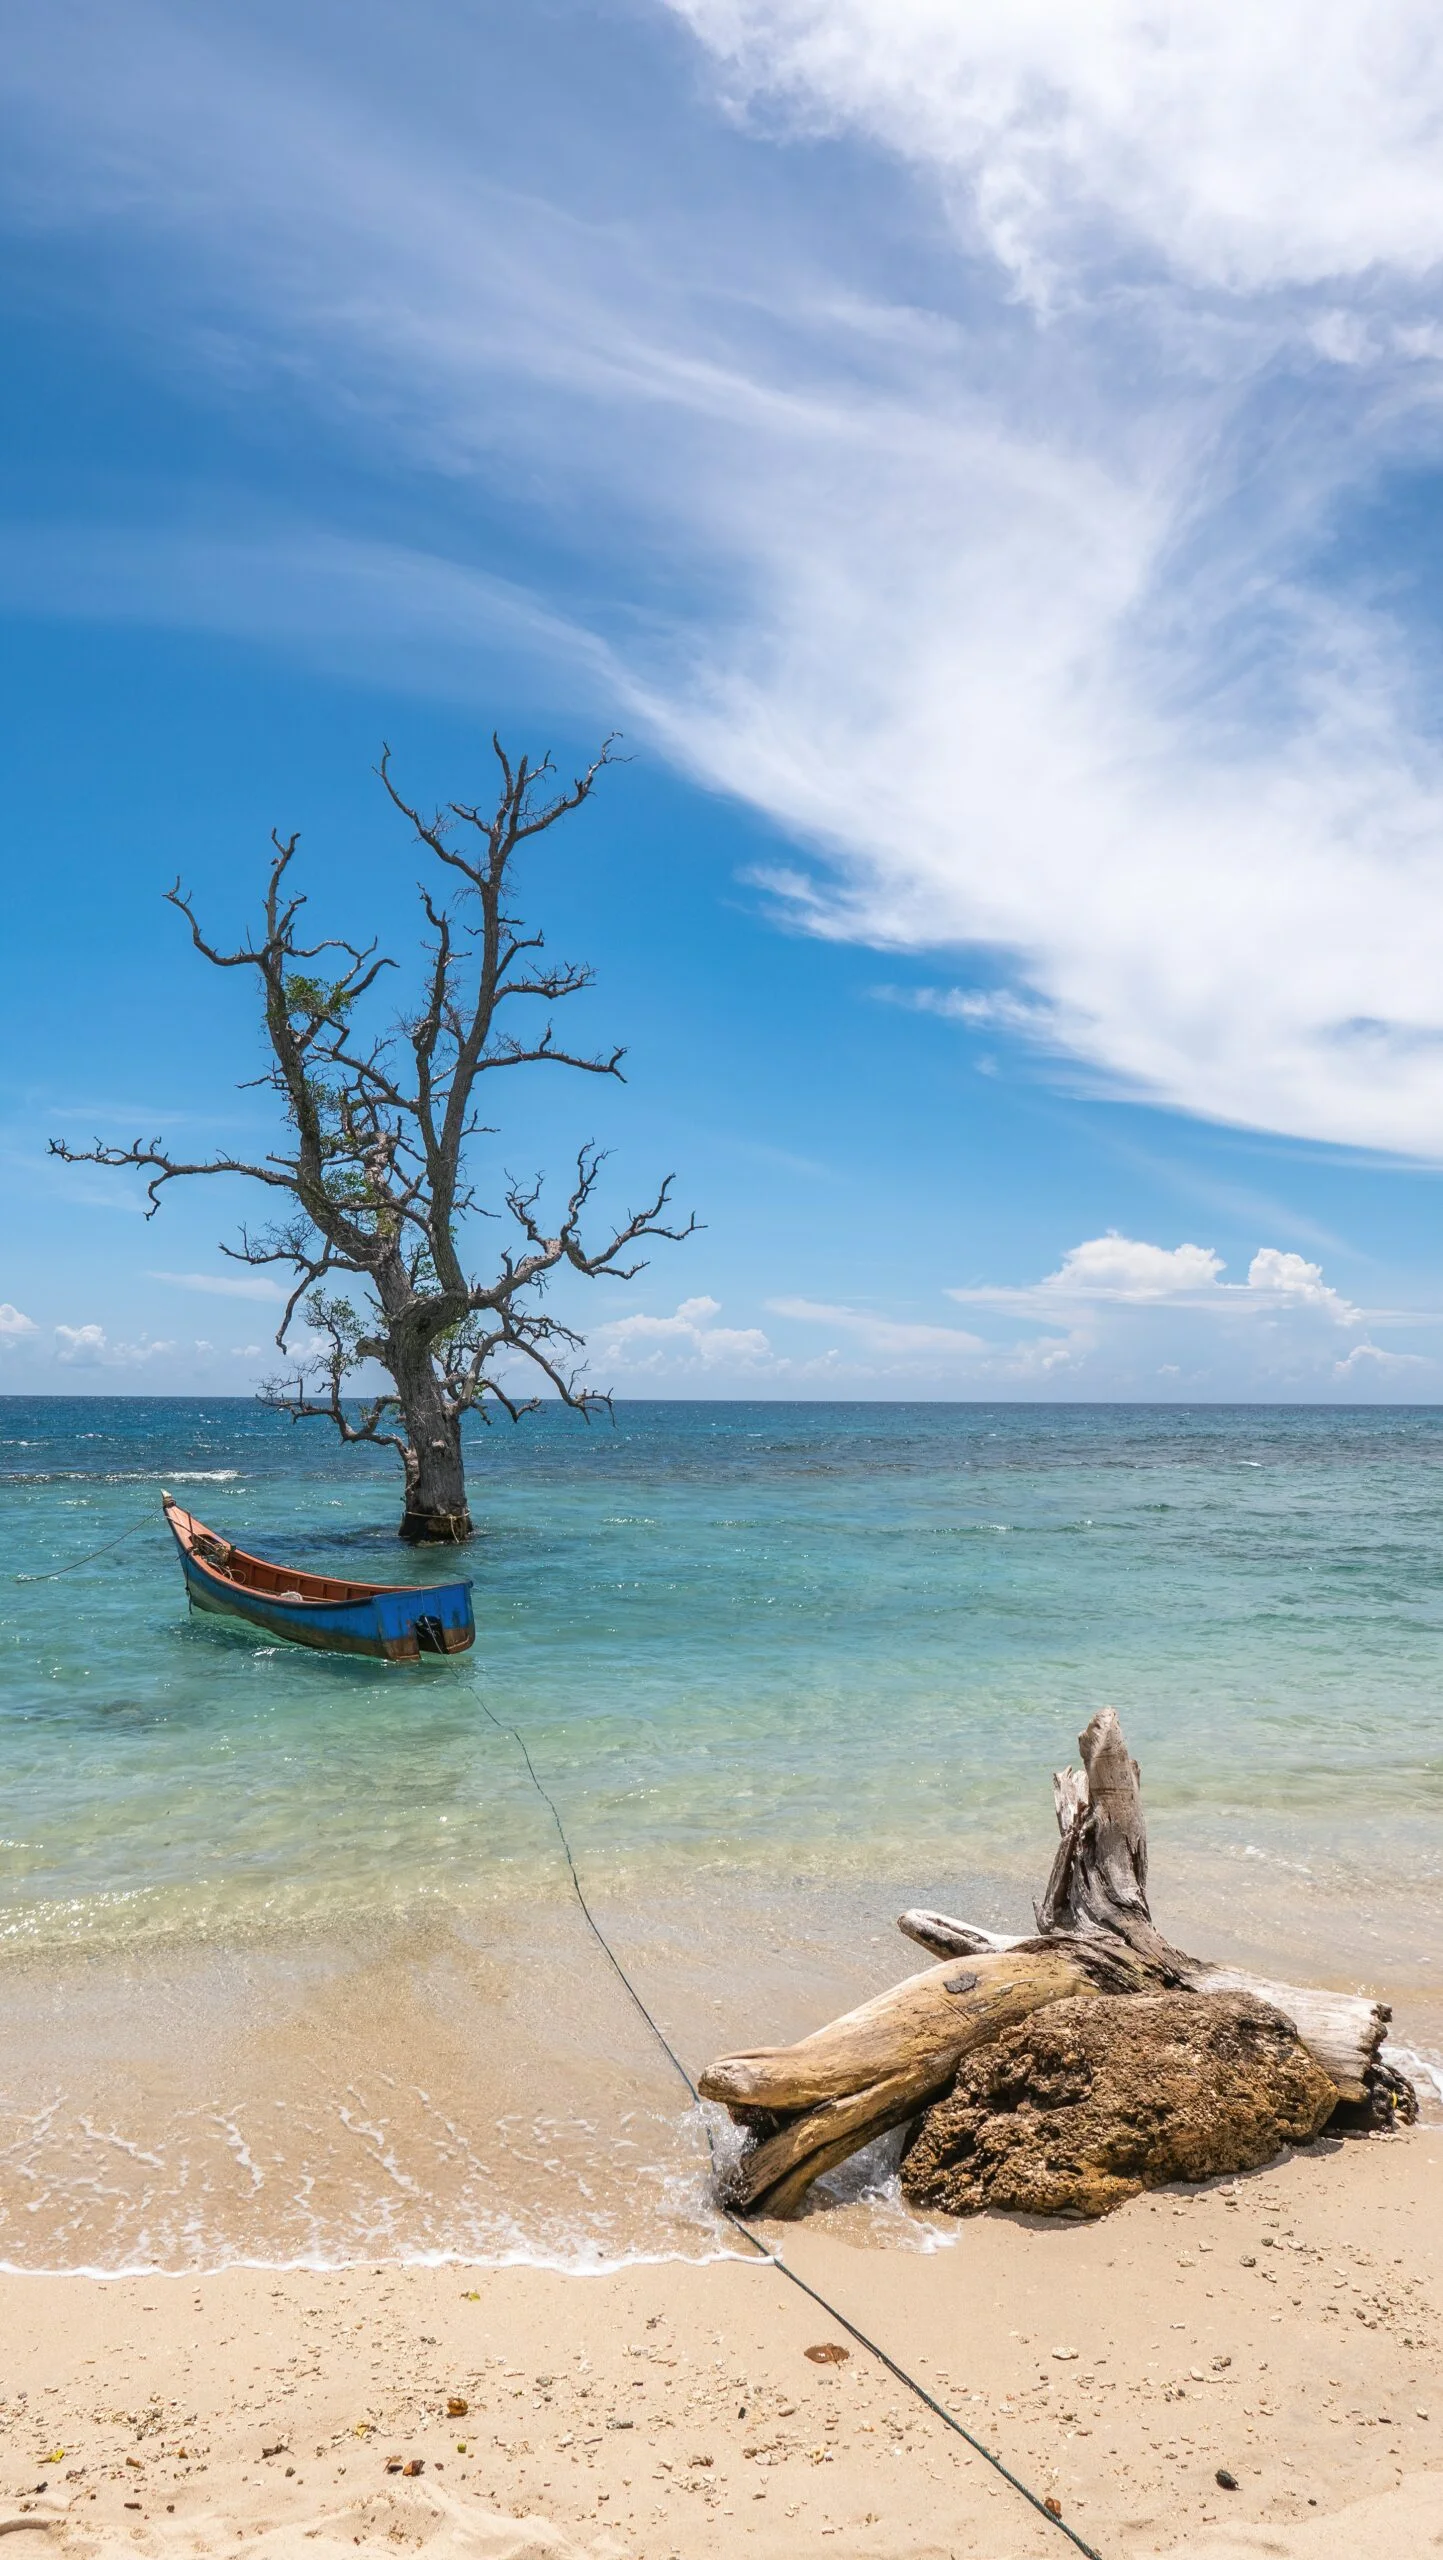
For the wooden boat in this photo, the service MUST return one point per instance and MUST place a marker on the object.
(394, 1622)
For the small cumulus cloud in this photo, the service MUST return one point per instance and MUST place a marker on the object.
(1120, 1270)
(14, 1327)
(1117, 1266)
(1298, 1284)
(1047, 1357)
(79, 1345)
(83, 1346)
(686, 1341)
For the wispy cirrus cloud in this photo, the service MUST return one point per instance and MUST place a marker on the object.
(218, 1284)
(984, 1009)
(1007, 581)
(1113, 721)
(400, 613)
(883, 1335)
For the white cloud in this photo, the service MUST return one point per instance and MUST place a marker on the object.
(1124, 1271)
(216, 1284)
(13, 1325)
(1122, 1302)
(1030, 664)
(89, 1346)
(677, 1345)
(361, 607)
(930, 1356)
(985, 683)
(1123, 1317)
(81, 1344)
(1298, 1283)
(926, 1358)
(1114, 1266)
(883, 1335)
(1243, 148)
(1050, 1355)
(1011, 610)
(1366, 1356)
(989, 1009)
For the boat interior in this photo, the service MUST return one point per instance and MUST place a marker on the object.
(253, 1573)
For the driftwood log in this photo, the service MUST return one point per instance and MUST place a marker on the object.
(807, 2107)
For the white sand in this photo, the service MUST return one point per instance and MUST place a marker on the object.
(670, 2409)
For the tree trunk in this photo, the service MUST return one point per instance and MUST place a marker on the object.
(436, 1512)
(809, 2106)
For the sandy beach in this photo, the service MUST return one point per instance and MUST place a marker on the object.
(721, 1303)
(330, 2145)
(1286, 2327)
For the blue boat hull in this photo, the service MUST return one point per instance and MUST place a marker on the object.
(388, 1622)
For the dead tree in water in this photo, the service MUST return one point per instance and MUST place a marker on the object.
(372, 1186)
(809, 2106)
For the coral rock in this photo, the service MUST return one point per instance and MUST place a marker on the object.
(1089, 2101)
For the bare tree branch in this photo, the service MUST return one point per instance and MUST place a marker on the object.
(375, 1165)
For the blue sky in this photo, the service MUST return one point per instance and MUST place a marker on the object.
(989, 466)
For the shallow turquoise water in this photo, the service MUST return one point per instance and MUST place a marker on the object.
(838, 1638)
(786, 1668)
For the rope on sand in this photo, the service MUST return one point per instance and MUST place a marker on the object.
(899, 2372)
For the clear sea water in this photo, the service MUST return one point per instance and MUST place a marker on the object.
(288, 1963)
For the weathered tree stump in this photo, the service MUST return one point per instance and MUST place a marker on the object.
(809, 2106)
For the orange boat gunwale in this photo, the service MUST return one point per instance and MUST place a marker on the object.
(230, 1563)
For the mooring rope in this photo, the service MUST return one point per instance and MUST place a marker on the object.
(76, 1562)
(899, 2372)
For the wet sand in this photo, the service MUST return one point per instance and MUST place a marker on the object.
(479, 2085)
(1287, 2327)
